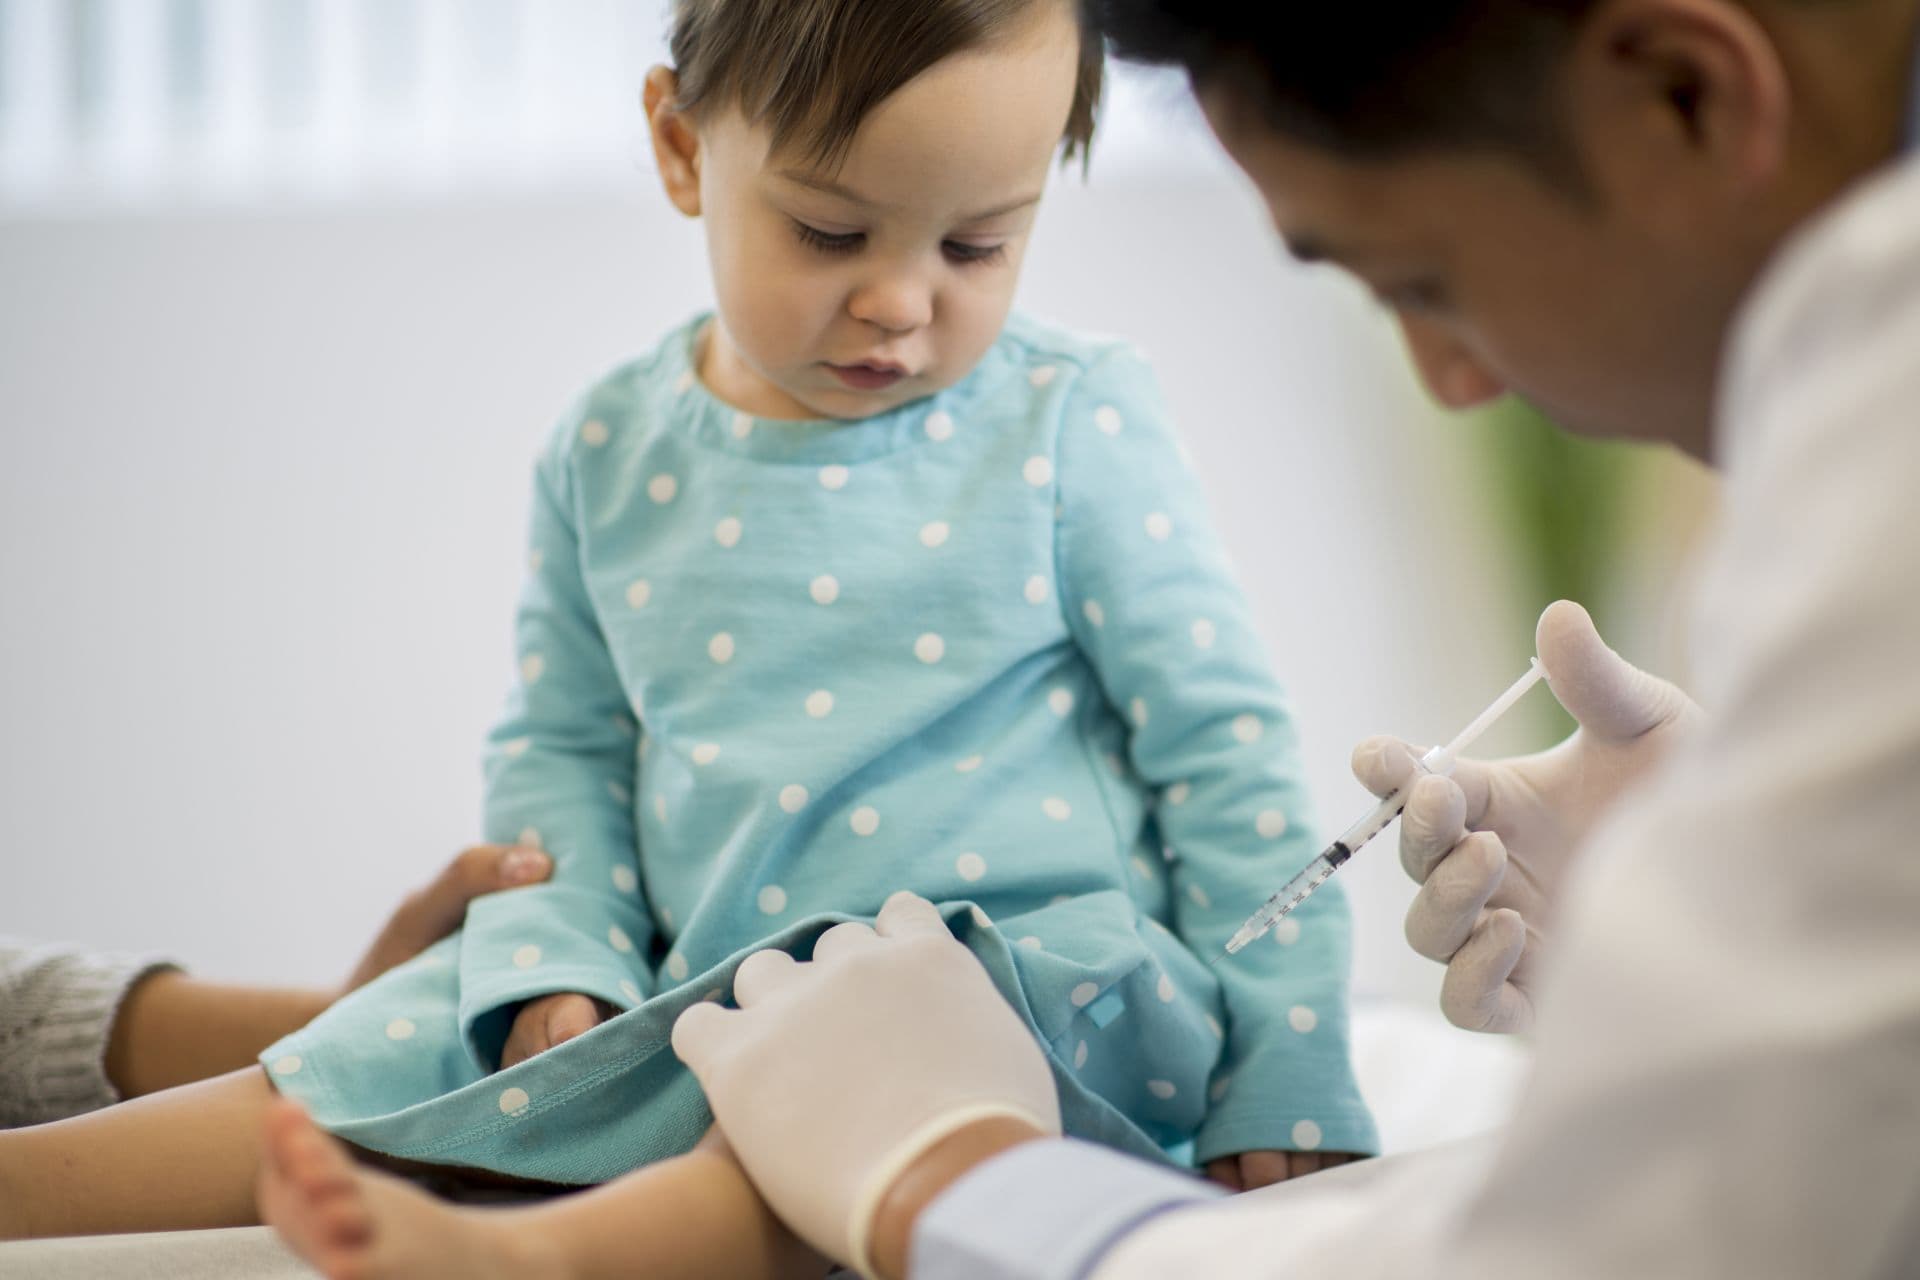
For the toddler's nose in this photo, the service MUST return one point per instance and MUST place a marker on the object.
(895, 303)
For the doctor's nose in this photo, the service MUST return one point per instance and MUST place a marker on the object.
(1453, 375)
(895, 303)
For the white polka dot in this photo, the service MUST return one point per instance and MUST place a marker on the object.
(1177, 794)
(971, 866)
(1096, 616)
(1080, 1055)
(1213, 1025)
(625, 880)
(1199, 896)
(865, 820)
(677, 967)
(1204, 633)
(1038, 471)
(980, 917)
(1248, 729)
(514, 748)
(1107, 418)
(1031, 943)
(793, 797)
(287, 1066)
(663, 488)
(1159, 526)
(532, 667)
(935, 534)
(720, 648)
(617, 939)
(1060, 702)
(1144, 867)
(594, 433)
(1162, 1089)
(666, 916)
(1056, 808)
(1306, 1135)
(834, 477)
(727, 532)
(929, 648)
(1164, 989)
(526, 957)
(1302, 1019)
(824, 589)
(684, 383)
(530, 838)
(1037, 590)
(1041, 376)
(939, 426)
(1219, 1090)
(1083, 995)
(706, 753)
(513, 1101)
(631, 992)
(970, 764)
(1140, 713)
(660, 808)
(1286, 932)
(772, 900)
(742, 425)
(1271, 824)
(820, 704)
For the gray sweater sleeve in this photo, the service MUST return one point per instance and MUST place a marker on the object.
(57, 1006)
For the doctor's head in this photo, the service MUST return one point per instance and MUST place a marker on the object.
(1567, 199)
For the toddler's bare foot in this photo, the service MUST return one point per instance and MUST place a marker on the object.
(351, 1223)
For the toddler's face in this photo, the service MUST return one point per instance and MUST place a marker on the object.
(847, 293)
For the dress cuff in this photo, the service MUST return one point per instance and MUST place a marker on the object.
(1044, 1211)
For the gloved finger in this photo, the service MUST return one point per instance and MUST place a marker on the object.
(568, 1017)
(761, 975)
(1608, 695)
(701, 1034)
(1435, 820)
(1448, 906)
(1385, 763)
(1475, 993)
(843, 940)
(908, 915)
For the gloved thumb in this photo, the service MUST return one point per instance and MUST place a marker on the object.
(1610, 697)
(700, 1036)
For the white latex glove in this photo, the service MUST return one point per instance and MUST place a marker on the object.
(1491, 845)
(834, 1075)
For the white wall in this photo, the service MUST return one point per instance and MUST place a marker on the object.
(261, 493)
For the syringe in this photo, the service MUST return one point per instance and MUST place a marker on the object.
(1439, 760)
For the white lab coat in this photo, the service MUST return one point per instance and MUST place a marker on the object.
(1728, 1072)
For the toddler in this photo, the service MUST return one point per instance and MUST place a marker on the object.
(856, 585)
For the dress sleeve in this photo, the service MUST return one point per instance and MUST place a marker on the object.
(561, 769)
(1154, 605)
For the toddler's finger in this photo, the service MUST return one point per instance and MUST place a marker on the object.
(523, 1041)
(1264, 1168)
(1448, 906)
(568, 1017)
(1226, 1172)
(761, 974)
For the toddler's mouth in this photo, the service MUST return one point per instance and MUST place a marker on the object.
(868, 375)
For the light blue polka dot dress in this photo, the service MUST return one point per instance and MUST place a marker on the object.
(984, 647)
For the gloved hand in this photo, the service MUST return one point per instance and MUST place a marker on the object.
(835, 1074)
(1491, 844)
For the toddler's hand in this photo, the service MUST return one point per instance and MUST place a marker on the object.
(550, 1020)
(1251, 1170)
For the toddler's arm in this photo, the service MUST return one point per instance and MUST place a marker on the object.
(561, 768)
(1152, 602)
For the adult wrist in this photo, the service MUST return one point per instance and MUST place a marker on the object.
(922, 1182)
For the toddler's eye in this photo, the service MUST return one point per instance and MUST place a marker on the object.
(828, 241)
(963, 254)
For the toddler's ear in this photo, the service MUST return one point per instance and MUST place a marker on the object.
(676, 144)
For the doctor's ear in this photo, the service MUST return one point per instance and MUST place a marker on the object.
(1668, 96)
(676, 143)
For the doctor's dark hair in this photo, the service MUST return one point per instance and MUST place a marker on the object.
(812, 70)
(1369, 78)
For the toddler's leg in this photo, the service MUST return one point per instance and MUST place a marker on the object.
(695, 1216)
(176, 1160)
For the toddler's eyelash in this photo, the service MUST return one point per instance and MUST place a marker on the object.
(826, 241)
(973, 255)
(957, 252)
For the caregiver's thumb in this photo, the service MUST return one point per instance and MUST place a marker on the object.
(1610, 697)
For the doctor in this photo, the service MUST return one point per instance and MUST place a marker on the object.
(1691, 221)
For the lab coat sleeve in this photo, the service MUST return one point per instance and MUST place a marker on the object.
(1152, 602)
(561, 767)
